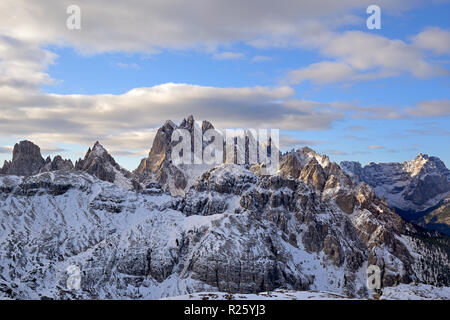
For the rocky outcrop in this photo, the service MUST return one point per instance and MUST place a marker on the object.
(158, 166)
(99, 163)
(58, 163)
(26, 161)
(324, 176)
(438, 219)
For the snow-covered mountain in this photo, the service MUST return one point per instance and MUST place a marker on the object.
(413, 187)
(98, 162)
(308, 227)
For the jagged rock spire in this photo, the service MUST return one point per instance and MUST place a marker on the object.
(26, 161)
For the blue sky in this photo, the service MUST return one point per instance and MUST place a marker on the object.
(400, 110)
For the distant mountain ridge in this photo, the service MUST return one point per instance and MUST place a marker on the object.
(411, 187)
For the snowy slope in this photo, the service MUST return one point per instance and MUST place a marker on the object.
(400, 292)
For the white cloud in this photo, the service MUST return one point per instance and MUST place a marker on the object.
(6, 149)
(23, 65)
(322, 72)
(290, 142)
(364, 51)
(149, 26)
(355, 128)
(125, 65)
(434, 39)
(261, 59)
(363, 56)
(431, 108)
(228, 55)
(335, 152)
(128, 121)
(152, 27)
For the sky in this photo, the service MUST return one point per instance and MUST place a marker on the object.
(312, 69)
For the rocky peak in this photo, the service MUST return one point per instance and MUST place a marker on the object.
(188, 123)
(313, 174)
(353, 169)
(411, 186)
(323, 176)
(158, 165)
(26, 150)
(423, 164)
(26, 161)
(58, 163)
(293, 162)
(291, 165)
(98, 162)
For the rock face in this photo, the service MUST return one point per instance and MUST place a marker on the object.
(27, 160)
(438, 219)
(99, 163)
(58, 163)
(158, 166)
(323, 176)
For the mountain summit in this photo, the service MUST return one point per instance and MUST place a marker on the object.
(415, 185)
(158, 167)
(413, 188)
(98, 162)
(27, 161)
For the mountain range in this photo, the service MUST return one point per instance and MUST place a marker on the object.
(418, 190)
(165, 230)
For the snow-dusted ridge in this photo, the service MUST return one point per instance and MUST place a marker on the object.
(233, 231)
(414, 185)
(309, 228)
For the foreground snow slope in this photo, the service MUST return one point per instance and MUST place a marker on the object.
(400, 292)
